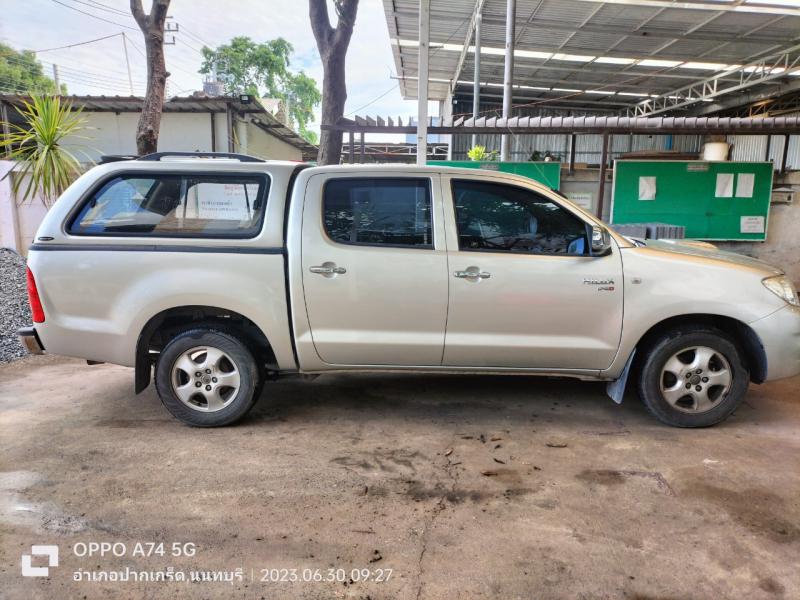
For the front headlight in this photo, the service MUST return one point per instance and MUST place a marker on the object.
(783, 287)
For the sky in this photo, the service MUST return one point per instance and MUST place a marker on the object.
(100, 67)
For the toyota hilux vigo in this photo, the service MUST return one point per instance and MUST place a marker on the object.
(212, 275)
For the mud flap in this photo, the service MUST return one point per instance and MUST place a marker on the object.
(616, 389)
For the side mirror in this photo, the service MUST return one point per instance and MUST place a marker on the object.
(601, 241)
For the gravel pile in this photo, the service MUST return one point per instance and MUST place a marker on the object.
(14, 309)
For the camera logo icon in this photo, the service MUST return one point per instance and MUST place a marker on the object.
(28, 570)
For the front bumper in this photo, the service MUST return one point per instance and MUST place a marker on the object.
(780, 336)
(30, 339)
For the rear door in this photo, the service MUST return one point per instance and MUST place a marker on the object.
(374, 266)
(524, 290)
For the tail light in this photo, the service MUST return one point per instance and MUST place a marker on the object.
(33, 297)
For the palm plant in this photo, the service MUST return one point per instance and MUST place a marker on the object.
(44, 165)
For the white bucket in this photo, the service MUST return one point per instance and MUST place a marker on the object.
(715, 151)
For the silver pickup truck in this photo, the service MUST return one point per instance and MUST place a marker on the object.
(215, 274)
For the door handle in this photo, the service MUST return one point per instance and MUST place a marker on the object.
(472, 273)
(328, 269)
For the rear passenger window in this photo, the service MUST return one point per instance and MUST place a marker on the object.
(175, 206)
(379, 211)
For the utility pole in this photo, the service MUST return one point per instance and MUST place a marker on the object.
(56, 79)
(127, 61)
(508, 75)
(422, 82)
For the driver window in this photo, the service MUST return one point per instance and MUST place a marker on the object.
(496, 217)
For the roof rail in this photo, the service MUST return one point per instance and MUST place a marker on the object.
(156, 156)
(109, 158)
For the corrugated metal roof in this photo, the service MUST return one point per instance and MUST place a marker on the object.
(728, 33)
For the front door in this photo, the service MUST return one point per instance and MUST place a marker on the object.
(524, 290)
(375, 269)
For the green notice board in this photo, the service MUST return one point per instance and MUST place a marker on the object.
(548, 173)
(713, 200)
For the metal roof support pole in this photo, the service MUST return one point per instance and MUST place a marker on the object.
(351, 149)
(213, 117)
(422, 81)
(785, 157)
(508, 73)
(601, 189)
(476, 76)
(766, 151)
(229, 126)
(361, 149)
(571, 170)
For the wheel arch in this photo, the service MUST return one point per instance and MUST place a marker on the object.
(742, 334)
(163, 326)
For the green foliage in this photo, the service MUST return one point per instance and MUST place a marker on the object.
(43, 163)
(479, 154)
(21, 73)
(262, 69)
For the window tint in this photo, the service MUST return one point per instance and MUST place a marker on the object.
(380, 212)
(505, 218)
(175, 205)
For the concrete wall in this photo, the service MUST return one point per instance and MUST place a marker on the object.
(18, 223)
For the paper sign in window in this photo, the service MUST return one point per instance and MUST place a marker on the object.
(751, 225)
(647, 188)
(744, 185)
(724, 185)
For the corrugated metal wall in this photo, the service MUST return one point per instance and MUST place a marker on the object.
(588, 148)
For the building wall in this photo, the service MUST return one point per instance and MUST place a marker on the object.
(111, 133)
(266, 146)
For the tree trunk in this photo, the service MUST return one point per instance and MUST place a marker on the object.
(152, 27)
(332, 44)
(334, 96)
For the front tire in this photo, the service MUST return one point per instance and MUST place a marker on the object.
(693, 377)
(206, 377)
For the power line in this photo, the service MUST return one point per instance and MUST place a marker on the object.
(79, 71)
(105, 7)
(196, 37)
(78, 43)
(371, 102)
(83, 12)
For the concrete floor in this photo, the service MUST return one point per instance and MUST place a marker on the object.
(591, 500)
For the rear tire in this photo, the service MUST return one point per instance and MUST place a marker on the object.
(692, 377)
(206, 377)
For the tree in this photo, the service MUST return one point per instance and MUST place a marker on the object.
(262, 69)
(37, 146)
(152, 26)
(21, 73)
(332, 43)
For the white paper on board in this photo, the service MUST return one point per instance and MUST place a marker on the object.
(752, 224)
(744, 185)
(647, 188)
(582, 199)
(724, 185)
